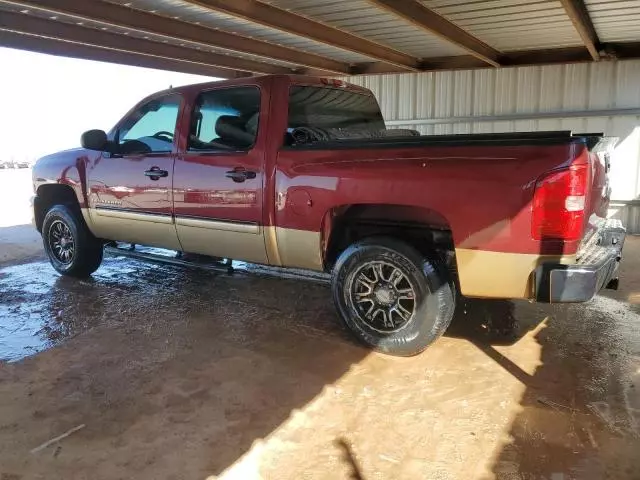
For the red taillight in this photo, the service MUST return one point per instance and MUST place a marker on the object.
(332, 82)
(559, 204)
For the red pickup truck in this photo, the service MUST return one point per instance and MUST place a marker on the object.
(301, 172)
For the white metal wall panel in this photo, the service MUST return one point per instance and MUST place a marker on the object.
(542, 98)
(615, 20)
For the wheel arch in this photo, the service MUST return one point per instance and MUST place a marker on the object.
(50, 194)
(426, 229)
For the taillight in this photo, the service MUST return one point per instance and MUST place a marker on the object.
(559, 204)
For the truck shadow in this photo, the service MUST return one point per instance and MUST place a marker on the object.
(578, 417)
(488, 323)
(201, 365)
(186, 371)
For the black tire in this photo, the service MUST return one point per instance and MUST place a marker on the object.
(86, 255)
(389, 331)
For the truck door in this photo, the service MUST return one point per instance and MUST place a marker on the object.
(130, 192)
(218, 179)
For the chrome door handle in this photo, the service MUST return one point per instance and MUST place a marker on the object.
(240, 175)
(155, 173)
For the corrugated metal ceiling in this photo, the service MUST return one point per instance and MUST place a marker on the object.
(615, 20)
(504, 25)
(156, 38)
(511, 24)
(202, 16)
(363, 18)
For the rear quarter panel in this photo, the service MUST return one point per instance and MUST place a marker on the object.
(483, 193)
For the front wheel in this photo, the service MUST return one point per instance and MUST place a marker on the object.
(70, 246)
(391, 297)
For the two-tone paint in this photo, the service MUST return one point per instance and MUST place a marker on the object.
(480, 191)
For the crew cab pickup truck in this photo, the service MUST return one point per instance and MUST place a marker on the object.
(301, 172)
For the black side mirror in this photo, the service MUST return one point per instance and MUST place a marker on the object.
(95, 140)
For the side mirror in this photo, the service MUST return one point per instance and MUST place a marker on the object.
(95, 140)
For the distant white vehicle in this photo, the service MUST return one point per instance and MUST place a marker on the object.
(13, 164)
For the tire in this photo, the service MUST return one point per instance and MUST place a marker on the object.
(71, 247)
(426, 291)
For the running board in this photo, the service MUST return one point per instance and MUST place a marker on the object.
(228, 266)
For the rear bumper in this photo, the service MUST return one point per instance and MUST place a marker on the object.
(596, 268)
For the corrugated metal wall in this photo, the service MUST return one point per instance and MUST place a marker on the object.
(596, 97)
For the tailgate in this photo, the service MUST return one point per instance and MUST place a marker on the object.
(597, 204)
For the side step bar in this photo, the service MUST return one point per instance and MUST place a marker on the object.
(228, 266)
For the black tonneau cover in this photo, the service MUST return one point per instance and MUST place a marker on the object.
(511, 139)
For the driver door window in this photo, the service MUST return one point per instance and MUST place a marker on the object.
(150, 129)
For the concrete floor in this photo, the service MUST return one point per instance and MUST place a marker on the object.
(185, 374)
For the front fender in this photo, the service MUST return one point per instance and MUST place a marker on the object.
(64, 168)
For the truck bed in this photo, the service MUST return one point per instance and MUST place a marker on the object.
(494, 139)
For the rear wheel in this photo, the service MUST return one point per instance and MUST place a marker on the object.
(70, 246)
(392, 297)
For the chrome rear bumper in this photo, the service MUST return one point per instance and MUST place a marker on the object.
(596, 268)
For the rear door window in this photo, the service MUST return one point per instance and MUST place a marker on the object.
(225, 119)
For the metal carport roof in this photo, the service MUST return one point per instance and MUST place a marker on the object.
(235, 38)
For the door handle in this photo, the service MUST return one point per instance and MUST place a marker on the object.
(240, 175)
(155, 173)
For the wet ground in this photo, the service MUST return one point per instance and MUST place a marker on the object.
(178, 373)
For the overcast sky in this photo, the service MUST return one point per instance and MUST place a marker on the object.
(47, 102)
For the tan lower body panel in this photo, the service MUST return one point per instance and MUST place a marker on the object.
(145, 229)
(481, 273)
(87, 218)
(238, 241)
(501, 275)
(293, 248)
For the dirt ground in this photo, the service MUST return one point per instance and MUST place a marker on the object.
(178, 373)
(18, 239)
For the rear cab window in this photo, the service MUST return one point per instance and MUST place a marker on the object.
(319, 112)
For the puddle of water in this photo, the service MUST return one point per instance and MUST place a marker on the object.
(39, 308)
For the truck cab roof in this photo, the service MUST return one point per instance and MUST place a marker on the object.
(261, 80)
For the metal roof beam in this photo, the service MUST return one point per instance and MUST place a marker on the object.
(511, 59)
(623, 50)
(138, 20)
(293, 23)
(427, 19)
(545, 56)
(520, 58)
(579, 15)
(86, 52)
(21, 23)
